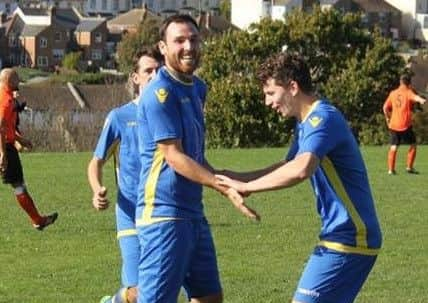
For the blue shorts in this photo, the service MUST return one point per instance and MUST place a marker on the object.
(332, 276)
(177, 253)
(128, 241)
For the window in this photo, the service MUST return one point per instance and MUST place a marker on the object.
(42, 61)
(115, 5)
(12, 59)
(58, 54)
(98, 37)
(24, 59)
(43, 42)
(104, 5)
(7, 8)
(12, 40)
(96, 54)
(57, 36)
(426, 22)
(93, 4)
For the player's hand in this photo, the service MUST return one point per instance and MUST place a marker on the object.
(3, 163)
(238, 201)
(229, 182)
(26, 144)
(99, 199)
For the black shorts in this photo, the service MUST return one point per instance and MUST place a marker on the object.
(405, 136)
(13, 173)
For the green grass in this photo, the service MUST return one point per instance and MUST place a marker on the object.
(77, 259)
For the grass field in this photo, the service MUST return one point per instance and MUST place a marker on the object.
(77, 259)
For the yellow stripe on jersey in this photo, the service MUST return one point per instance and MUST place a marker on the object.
(150, 192)
(126, 232)
(361, 232)
(350, 249)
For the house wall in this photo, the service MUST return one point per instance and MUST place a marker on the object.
(29, 48)
(245, 12)
(408, 22)
(89, 43)
(111, 7)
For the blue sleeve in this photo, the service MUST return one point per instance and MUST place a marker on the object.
(162, 114)
(321, 134)
(109, 137)
(294, 147)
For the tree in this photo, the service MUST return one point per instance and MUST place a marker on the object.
(147, 34)
(225, 9)
(71, 61)
(353, 67)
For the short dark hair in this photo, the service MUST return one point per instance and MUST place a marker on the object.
(406, 79)
(285, 67)
(151, 51)
(179, 18)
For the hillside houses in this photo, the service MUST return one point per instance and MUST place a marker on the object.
(40, 38)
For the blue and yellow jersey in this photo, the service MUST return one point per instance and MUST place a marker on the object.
(344, 200)
(171, 109)
(119, 138)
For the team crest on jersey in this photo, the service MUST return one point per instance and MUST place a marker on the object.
(315, 121)
(161, 94)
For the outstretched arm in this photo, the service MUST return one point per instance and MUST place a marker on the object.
(420, 99)
(250, 175)
(286, 175)
(95, 177)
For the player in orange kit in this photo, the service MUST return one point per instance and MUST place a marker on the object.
(398, 113)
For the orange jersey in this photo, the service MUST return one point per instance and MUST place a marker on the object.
(399, 104)
(8, 114)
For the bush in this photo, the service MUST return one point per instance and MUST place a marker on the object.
(71, 60)
(26, 73)
(353, 68)
(241, 119)
(374, 133)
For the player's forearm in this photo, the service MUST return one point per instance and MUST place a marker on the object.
(286, 175)
(187, 167)
(251, 175)
(95, 175)
(420, 100)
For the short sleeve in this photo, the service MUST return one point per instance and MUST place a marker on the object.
(321, 134)
(109, 137)
(162, 113)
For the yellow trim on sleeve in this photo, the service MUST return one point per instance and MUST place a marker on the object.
(361, 231)
(350, 249)
(126, 232)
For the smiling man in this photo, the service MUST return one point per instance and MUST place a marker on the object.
(177, 246)
(324, 151)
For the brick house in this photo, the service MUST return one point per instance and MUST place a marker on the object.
(375, 13)
(40, 38)
(91, 35)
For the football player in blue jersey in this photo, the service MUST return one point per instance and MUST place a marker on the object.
(325, 151)
(177, 248)
(119, 138)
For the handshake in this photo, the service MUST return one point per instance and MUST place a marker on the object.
(234, 191)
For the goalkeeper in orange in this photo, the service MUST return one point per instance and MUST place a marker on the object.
(398, 114)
